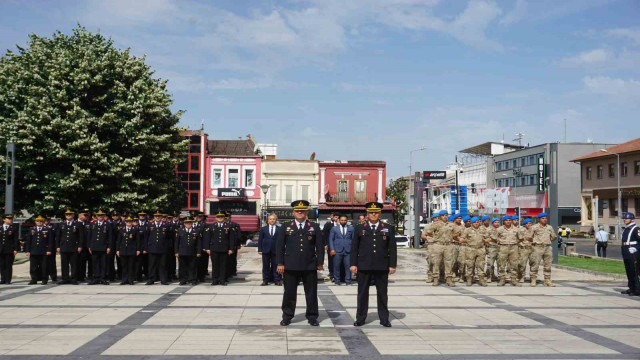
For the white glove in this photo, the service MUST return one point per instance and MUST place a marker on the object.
(633, 250)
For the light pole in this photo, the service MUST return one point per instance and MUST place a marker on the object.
(414, 184)
(619, 226)
(411, 158)
(265, 188)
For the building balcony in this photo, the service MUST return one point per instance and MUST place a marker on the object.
(348, 198)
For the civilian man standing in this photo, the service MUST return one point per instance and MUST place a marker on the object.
(340, 240)
(300, 254)
(267, 248)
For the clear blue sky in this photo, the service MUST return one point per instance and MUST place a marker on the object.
(374, 79)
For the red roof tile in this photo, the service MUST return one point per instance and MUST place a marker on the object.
(627, 147)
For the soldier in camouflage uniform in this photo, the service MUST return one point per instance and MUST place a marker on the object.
(506, 235)
(543, 235)
(525, 249)
(428, 241)
(492, 249)
(474, 240)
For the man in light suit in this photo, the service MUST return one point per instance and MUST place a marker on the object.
(340, 239)
(267, 248)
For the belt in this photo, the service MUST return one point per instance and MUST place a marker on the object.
(508, 244)
(492, 244)
(524, 245)
(444, 243)
(462, 244)
(541, 244)
(630, 243)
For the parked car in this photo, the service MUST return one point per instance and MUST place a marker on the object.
(402, 241)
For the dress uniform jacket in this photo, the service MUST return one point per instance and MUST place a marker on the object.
(128, 242)
(38, 242)
(220, 237)
(300, 250)
(630, 238)
(9, 239)
(374, 250)
(157, 240)
(187, 243)
(69, 237)
(100, 236)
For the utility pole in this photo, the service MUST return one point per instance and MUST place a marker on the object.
(10, 176)
(457, 191)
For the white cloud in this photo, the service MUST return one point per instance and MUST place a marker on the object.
(516, 14)
(592, 57)
(604, 59)
(632, 34)
(616, 89)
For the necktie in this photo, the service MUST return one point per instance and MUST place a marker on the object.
(344, 230)
(271, 231)
(373, 228)
(39, 229)
(299, 226)
(5, 228)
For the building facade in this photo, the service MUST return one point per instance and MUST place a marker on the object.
(233, 184)
(599, 173)
(285, 181)
(191, 171)
(346, 186)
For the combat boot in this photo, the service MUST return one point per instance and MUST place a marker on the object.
(461, 281)
(514, 282)
(521, 281)
(450, 282)
(547, 282)
(489, 279)
(534, 281)
(501, 282)
(435, 282)
(469, 281)
(482, 282)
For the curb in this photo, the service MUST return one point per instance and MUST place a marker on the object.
(591, 272)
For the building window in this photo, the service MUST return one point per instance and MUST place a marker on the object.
(304, 192)
(194, 162)
(194, 200)
(288, 193)
(625, 205)
(599, 171)
(613, 212)
(636, 204)
(273, 193)
(612, 170)
(623, 169)
(233, 178)
(589, 173)
(636, 167)
(248, 178)
(360, 191)
(217, 177)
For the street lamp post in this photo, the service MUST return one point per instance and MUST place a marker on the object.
(265, 188)
(619, 226)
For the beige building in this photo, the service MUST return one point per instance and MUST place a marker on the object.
(599, 179)
(289, 180)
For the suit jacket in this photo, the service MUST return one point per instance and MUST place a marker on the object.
(38, 242)
(300, 250)
(100, 236)
(374, 250)
(128, 242)
(326, 231)
(266, 242)
(220, 238)
(9, 239)
(69, 237)
(157, 237)
(341, 243)
(187, 243)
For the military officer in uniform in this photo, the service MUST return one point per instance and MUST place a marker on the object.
(232, 263)
(543, 236)
(142, 260)
(492, 249)
(474, 244)
(38, 246)
(52, 267)
(202, 263)
(630, 246)
(100, 245)
(373, 255)
(187, 247)
(219, 243)
(507, 237)
(114, 266)
(69, 245)
(156, 247)
(85, 265)
(128, 247)
(174, 225)
(9, 247)
(457, 260)
(525, 248)
(300, 254)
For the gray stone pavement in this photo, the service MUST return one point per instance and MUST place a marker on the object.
(582, 318)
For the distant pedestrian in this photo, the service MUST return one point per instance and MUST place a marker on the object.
(602, 240)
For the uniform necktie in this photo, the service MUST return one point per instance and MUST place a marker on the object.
(373, 228)
(39, 229)
(299, 226)
(5, 228)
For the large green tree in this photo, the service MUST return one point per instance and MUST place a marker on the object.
(92, 126)
(397, 191)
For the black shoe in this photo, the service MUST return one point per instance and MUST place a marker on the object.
(61, 282)
(285, 322)
(104, 282)
(149, 283)
(214, 283)
(386, 323)
(264, 283)
(348, 283)
(165, 283)
(73, 282)
(337, 283)
(124, 283)
(314, 322)
(358, 323)
(54, 279)
(32, 282)
(130, 282)
(194, 283)
(626, 292)
(44, 282)
(3, 282)
(224, 283)
(278, 283)
(183, 283)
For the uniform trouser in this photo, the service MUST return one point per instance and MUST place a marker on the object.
(219, 266)
(38, 267)
(85, 265)
(632, 275)
(492, 257)
(330, 261)
(157, 266)
(119, 268)
(341, 262)
(454, 258)
(232, 264)
(429, 262)
(128, 268)
(142, 266)
(69, 264)
(187, 269)
(171, 264)
(382, 282)
(541, 254)
(601, 248)
(270, 268)
(6, 267)
(99, 259)
(111, 266)
(460, 259)
(52, 267)
(474, 258)
(441, 254)
(526, 256)
(202, 265)
(310, 284)
(508, 255)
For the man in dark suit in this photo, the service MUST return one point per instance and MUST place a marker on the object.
(9, 247)
(300, 254)
(373, 255)
(69, 245)
(340, 239)
(52, 266)
(188, 246)
(128, 247)
(38, 246)
(267, 248)
(100, 245)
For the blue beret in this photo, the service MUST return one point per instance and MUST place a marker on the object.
(435, 215)
(495, 219)
(450, 218)
(506, 217)
(486, 217)
(466, 218)
(515, 217)
(444, 212)
(455, 216)
(474, 219)
(526, 221)
(544, 214)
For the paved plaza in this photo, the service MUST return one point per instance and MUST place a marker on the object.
(576, 320)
